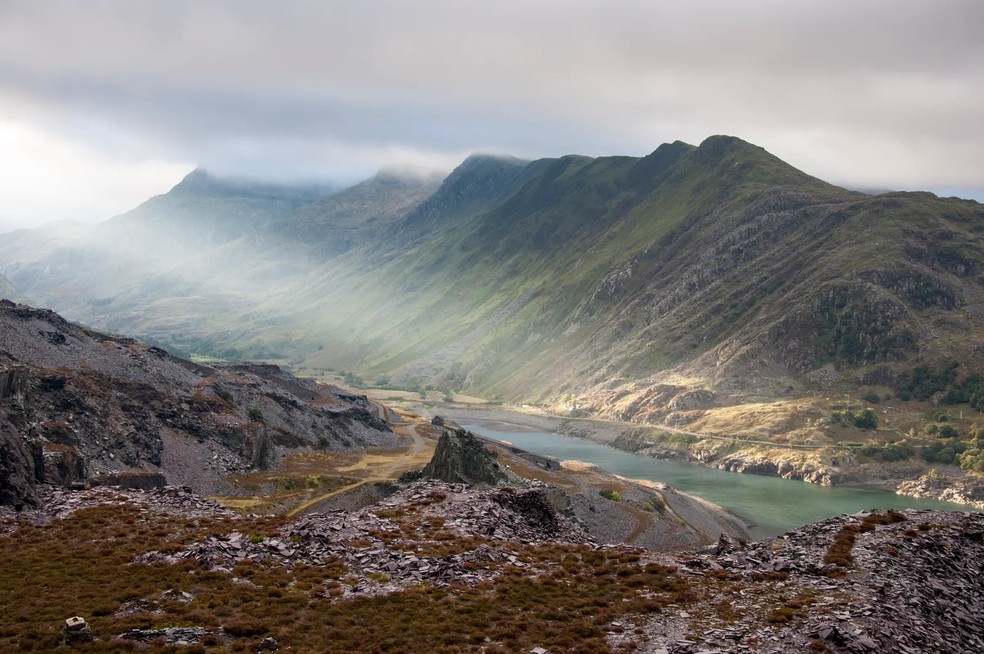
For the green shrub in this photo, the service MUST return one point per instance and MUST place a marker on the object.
(888, 452)
(972, 460)
(943, 452)
(866, 419)
(612, 495)
(862, 419)
(255, 415)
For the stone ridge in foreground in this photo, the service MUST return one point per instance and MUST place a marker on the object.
(915, 586)
(438, 554)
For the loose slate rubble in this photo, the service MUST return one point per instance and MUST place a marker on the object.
(377, 565)
(59, 503)
(916, 586)
(179, 636)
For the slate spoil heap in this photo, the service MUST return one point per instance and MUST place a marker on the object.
(909, 582)
(914, 586)
(379, 545)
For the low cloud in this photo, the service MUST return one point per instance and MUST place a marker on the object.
(881, 93)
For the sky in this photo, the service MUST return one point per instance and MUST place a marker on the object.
(105, 103)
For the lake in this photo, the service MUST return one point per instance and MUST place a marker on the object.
(770, 505)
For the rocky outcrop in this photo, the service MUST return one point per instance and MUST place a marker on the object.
(749, 461)
(460, 458)
(101, 405)
(755, 464)
(14, 383)
(960, 490)
(19, 468)
(914, 584)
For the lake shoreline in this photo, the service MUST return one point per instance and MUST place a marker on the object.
(605, 432)
(876, 491)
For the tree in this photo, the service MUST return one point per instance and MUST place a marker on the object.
(866, 419)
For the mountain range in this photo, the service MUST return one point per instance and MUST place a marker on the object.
(623, 287)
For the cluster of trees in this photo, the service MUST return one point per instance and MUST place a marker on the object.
(941, 431)
(888, 452)
(352, 379)
(927, 381)
(971, 391)
(941, 452)
(862, 419)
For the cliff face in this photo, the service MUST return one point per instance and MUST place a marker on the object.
(19, 471)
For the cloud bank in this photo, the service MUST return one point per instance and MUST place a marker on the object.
(882, 93)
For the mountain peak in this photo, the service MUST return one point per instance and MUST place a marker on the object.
(480, 160)
(203, 182)
(720, 144)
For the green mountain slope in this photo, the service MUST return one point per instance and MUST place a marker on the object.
(721, 262)
(87, 271)
(635, 285)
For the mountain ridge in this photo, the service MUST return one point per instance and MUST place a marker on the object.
(715, 267)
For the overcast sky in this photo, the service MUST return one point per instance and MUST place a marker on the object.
(103, 104)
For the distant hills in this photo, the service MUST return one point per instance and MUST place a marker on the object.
(8, 292)
(626, 286)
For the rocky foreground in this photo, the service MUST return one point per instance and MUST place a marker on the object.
(914, 585)
(499, 570)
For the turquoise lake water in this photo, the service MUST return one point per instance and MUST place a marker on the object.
(769, 504)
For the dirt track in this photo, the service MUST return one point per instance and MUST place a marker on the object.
(381, 467)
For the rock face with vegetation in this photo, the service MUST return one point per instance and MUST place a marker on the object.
(77, 406)
(593, 279)
(712, 288)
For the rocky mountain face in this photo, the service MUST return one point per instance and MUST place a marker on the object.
(85, 271)
(628, 288)
(78, 407)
